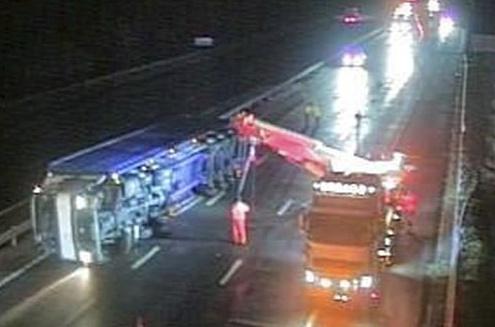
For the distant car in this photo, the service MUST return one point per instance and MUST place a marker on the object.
(403, 12)
(203, 42)
(353, 57)
(352, 16)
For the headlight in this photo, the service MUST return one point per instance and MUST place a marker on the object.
(85, 257)
(81, 202)
(384, 252)
(446, 27)
(325, 283)
(309, 276)
(338, 297)
(347, 60)
(354, 59)
(344, 284)
(433, 6)
(390, 183)
(366, 282)
(359, 59)
(37, 189)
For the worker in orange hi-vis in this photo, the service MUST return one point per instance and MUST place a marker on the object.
(238, 222)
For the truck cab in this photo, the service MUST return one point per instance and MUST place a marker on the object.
(343, 229)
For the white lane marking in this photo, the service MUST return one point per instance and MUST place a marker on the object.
(249, 322)
(232, 270)
(16, 274)
(187, 207)
(145, 258)
(284, 207)
(216, 198)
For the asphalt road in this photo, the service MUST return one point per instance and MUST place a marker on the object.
(406, 99)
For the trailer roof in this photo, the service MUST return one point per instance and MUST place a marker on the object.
(124, 153)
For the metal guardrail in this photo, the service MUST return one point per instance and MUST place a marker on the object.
(441, 309)
(466, 185)
(16, 222)
(14, 232)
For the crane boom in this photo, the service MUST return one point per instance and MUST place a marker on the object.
(312, 155)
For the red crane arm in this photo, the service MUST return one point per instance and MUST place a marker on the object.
(295, 148)
(310, 154)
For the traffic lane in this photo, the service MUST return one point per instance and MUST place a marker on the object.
(20, 295)
(426, 141)
(375, 91)
(173, 288)
(71, 290)
(63, 128)
(13, 258)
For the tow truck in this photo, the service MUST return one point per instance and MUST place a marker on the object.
(350, 224)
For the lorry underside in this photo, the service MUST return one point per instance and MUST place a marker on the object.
(85, 214)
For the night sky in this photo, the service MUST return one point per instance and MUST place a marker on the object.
(46, 44)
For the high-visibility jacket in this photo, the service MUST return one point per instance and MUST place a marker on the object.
(312, 110)
(239, 210)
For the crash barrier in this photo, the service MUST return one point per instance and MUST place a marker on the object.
(14, 232)
(15, 221)
(461, 182)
